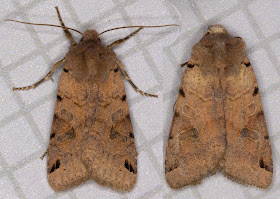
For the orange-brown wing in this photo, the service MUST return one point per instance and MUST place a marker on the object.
(91, 136)
(110, 151)
(64, 167)
(248, 156)
(196, 142)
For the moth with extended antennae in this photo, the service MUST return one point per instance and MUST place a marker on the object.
(91, 135)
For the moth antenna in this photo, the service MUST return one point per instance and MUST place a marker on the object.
(137, 27)
(41, 24)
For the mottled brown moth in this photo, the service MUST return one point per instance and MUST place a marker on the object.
(91, 135)
(218, 122)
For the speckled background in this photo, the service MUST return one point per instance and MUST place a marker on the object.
(152, 60)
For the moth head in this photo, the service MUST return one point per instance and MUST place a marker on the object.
(90, 35)
(216, 34)
(216, 29)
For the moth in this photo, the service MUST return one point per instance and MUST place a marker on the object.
(218, 122)
(91, 135)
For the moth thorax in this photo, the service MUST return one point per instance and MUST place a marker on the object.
(219, 50)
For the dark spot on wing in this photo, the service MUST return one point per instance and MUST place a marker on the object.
(123, 97)
(66, 115)
(55, 166)
(52, 135)
(117, 116)
(247, 64)
(114, 134)
(174, 166)
(58, 98)
(247, 133)
(256, 91)
(170, 137)
(188, 133)
(263, 165)
(68, 135)
(266, 137)
(190, 65)
(182, 93)
(128, 166)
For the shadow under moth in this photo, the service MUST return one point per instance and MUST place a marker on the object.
(91, 135)
(218, 122)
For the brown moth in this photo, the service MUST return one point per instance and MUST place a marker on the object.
(91, 135)
(218, 123)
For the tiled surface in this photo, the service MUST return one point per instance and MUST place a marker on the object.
(152, 59)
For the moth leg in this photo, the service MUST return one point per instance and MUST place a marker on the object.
(121, 66)
(42, 157)
(118, 42)
(55, 66)
(66, 31)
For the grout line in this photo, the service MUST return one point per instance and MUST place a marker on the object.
(152, 193)
(11, 177)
